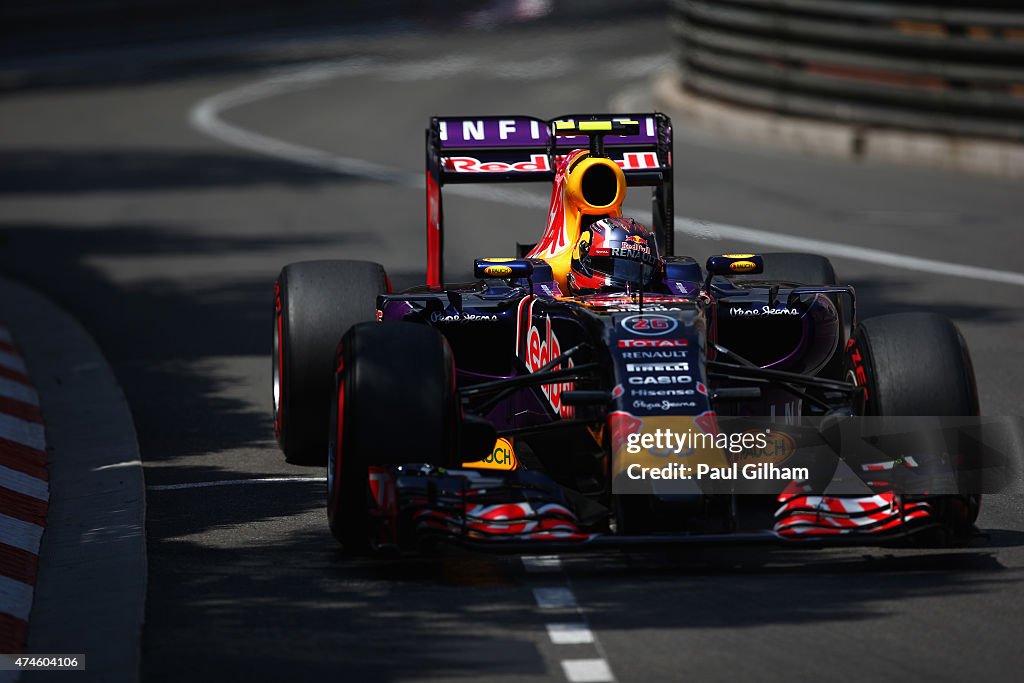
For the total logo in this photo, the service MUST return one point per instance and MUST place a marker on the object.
(652, 343)
(540, 349)
(649, 325)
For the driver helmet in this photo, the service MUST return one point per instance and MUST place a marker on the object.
(614, 255)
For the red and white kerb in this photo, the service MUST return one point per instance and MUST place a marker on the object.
(24, 494)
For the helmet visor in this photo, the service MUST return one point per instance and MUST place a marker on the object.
(622, 269)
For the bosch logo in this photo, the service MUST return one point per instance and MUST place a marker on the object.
(499, 271)
(652, 325)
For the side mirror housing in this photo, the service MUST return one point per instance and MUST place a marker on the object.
(476, 438)
(735, 264)
(505, 268)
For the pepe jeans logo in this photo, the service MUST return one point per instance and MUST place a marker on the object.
(438, 317)
(739, 311)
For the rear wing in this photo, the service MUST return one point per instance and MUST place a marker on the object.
(499, 149)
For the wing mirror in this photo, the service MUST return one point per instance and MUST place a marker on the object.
(505, 268)
(476, 438)
(735, 264)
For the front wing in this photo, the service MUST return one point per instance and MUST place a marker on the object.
(525, 510)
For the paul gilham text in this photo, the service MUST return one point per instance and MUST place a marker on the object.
(754, 471)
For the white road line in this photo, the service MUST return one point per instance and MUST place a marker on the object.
(570, 634)
(638, 67)
(16, 598)
(554, 598)
(31, 434)
(442, 67)
(723, 231)
(545, 67)
(20, 534)
(541, 564)
(18, 391)
(205, 117)
(234, 482)
(24, 483)
(587, 671)
(12, 361)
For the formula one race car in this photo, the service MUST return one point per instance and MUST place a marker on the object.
(596, 389)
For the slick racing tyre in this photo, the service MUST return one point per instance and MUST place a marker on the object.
(917, 364)
(801, 269)
(315, 302)
(394, 403)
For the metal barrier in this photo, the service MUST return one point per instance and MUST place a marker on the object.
(931, 65)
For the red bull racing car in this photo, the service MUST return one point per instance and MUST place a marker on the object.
(597, 389)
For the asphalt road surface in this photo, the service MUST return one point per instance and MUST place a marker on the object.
(159, 210)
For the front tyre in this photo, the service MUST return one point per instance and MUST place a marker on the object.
(315, 302)
(394, 403)
(917, 364)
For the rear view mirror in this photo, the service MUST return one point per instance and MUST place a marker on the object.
(502, 268)
(735, 264)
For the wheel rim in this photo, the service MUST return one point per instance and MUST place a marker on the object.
(278, 361)
(334, 443)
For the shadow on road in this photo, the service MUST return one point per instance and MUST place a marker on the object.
(180, 347)
(30, 172)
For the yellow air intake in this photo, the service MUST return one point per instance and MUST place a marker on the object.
(594, 186)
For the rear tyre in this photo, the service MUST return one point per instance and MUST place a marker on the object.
(315, 302)
(801, 269)
(918, 364)
(394, 403)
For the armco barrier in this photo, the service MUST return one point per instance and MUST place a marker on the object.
(943, 67)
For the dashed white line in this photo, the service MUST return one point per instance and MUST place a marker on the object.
(587, 671)
(570, 634)
(234, 482)
(554, 598)
(205, 117)
(541, 564)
